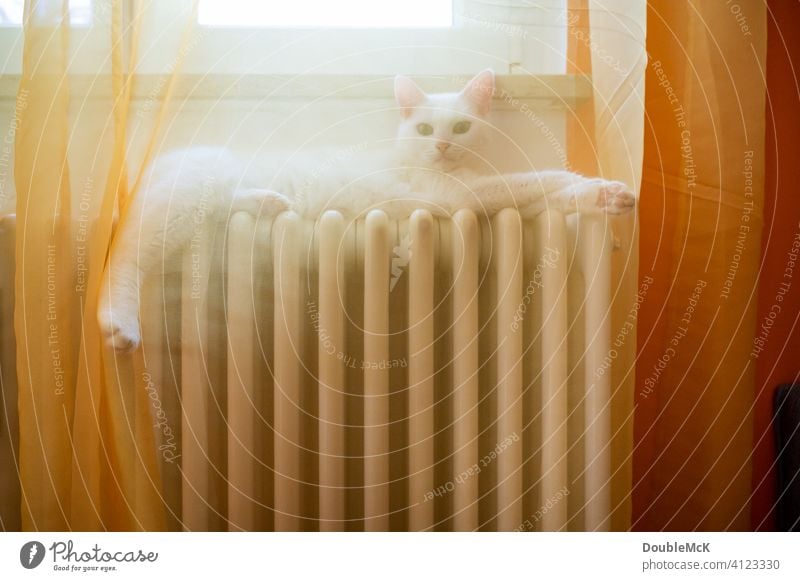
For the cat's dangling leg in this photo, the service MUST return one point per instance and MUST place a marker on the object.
(160, 221)
(146, 237)
(118, 303)
(140, 246)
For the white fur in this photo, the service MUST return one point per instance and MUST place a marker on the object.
(442, 172)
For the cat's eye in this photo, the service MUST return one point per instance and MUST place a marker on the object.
(425, 129)
(461, 127)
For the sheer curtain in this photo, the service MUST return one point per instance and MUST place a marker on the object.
(606, 43)
(86, 448)
(88, 454)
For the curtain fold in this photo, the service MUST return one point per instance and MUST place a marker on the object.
(701, 210)
(87, 447)
(43, 312)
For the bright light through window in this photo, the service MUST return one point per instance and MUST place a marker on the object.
(327, 13)
(80, 12)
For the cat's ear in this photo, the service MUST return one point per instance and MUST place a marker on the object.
(407, 94)
(480, 90)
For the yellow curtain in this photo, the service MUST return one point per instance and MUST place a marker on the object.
(87, 453)
(700, 212)
(46, 350)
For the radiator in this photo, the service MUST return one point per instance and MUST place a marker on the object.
(427, 374)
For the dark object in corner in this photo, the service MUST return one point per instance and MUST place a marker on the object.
(787, 435)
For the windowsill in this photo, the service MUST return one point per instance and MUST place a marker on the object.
(547, 90)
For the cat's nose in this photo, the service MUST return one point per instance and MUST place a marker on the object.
(442, 146)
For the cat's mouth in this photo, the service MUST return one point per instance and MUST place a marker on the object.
(446, 158)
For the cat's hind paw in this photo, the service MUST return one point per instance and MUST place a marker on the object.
(615, 198)
(120, 332)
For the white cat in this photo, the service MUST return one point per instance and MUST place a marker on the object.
(437, 163)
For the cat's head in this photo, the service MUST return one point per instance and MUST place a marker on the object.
(444, 131)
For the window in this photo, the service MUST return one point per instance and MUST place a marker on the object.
(80, 12)
(326, 13)
(373, 37)
(87, 41)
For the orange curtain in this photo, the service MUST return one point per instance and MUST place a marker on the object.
(701, 214)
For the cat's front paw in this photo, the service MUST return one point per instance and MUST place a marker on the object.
(275, 204)
(615, 198)
(119, 330)
(263, 202)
